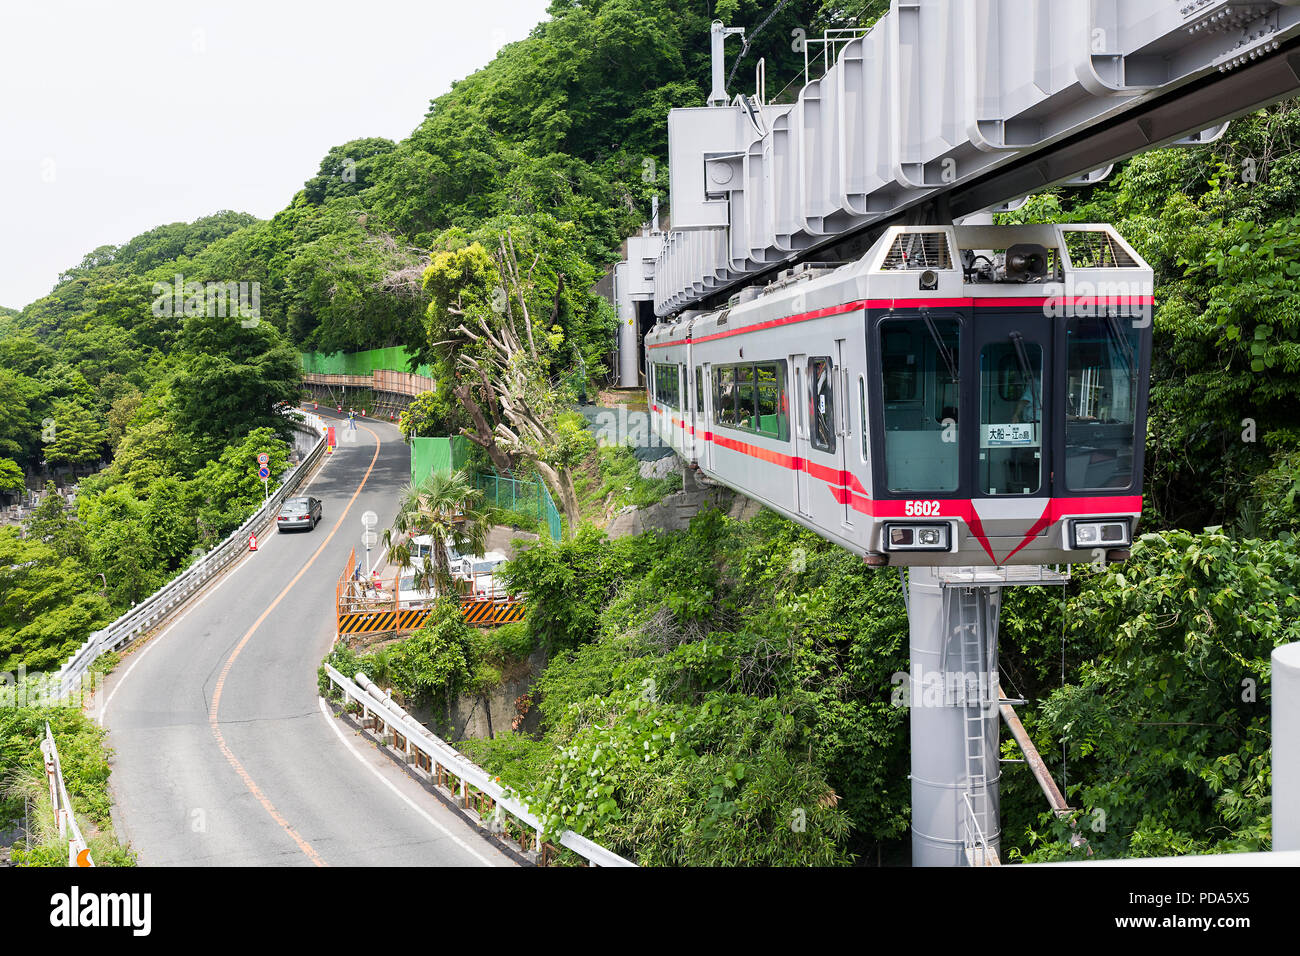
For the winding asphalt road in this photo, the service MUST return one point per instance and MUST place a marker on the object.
(223, 753)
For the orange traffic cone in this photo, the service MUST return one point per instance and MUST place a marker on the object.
(252, 542)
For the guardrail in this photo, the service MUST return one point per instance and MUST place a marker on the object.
(978, 851)
(159, 605)
(78, 849)
(466, 782)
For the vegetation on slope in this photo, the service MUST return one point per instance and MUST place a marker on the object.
(25, 795)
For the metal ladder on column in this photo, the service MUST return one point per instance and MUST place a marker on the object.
(975, 670)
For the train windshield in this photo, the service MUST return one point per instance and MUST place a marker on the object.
(1101, 360)
(1011, 417)
(919, 366)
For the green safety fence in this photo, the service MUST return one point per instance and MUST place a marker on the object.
(395, 359)
(530, 497)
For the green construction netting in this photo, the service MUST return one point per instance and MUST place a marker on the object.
(441, 455)
(361, 363)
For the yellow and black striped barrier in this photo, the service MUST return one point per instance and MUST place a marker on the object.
(487, 613)
(476, 613)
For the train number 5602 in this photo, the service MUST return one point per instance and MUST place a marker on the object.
(920, 509)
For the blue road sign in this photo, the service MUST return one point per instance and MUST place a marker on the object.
(264, 472)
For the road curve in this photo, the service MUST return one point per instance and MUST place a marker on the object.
(223, 755)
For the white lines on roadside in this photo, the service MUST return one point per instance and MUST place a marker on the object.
(333, 722)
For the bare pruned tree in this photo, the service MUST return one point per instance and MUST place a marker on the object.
(505, 371)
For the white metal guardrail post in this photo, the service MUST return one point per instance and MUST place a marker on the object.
(62, 805)
(377, 708)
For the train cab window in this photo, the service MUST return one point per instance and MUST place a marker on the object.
(1101, 371)
(900, 375)
(1011, 417)
(667, 387)
(921, 384)
(822, 393)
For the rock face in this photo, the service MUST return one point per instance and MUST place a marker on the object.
(505, 707)
(660, 467)
(674, 513)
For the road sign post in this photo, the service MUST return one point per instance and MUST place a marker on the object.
(264, 472)
(368, 536)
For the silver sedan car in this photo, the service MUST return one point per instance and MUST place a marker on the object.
(298, 513)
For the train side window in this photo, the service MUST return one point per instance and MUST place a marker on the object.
(822, 403)
(745, 396)
(667, 391)
(752, 397)
(699, 389)
(920, 374)
(773, 418)
(1101, 370)
(724, 396)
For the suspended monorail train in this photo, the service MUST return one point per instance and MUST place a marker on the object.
(960, 396)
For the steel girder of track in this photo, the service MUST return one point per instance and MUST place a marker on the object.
(966, 102)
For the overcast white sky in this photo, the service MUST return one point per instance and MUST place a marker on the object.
(120, 115)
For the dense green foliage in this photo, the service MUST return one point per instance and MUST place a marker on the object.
(24, 793)
(1167, 726)
(743, 670)
(179, 402)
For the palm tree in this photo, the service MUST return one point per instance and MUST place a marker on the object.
(446, 507)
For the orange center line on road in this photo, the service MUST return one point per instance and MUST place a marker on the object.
(215, 708)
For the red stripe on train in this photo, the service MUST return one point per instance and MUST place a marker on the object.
(846, 489)
(891, 304)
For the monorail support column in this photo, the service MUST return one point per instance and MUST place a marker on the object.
(954, 717)
(1286, 747)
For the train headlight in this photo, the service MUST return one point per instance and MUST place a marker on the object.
(916, 537)
(1109, 533)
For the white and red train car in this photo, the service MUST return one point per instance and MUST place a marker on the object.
(962, 395)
